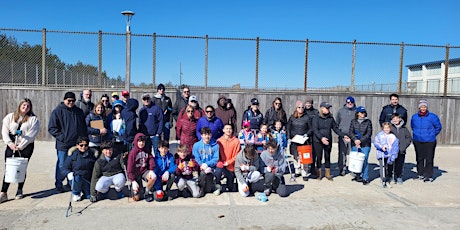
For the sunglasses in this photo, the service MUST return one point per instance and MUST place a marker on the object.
(71, 100)
(146, 98)
(189, 111)
(83, 145)
(186, 91)
(209, 111)
(104, 100)
(193, 101)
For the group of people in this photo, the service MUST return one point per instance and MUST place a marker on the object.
(134, 143)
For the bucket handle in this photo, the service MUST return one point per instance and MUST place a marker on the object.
(16, 144)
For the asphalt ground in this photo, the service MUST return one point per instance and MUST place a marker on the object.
(315, 204)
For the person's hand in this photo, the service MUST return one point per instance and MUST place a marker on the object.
(151, 175)
(225, 164)
(219, 164)
(208, 170)
(70, 176)
(191, 164)
(325, 141)
(165, 176)
(274, 169)
(93, 199)
(204, 166)
(13, 146)
(384, 148)
(269, 168)
(19, 132)
(135, 186)
(182, 165)
(245, 188)
(244, 167)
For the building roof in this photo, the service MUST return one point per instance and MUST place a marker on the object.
(453, 60)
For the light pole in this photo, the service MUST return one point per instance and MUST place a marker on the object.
(129, 14)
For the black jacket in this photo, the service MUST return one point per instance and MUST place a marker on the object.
(361, 131)
(322, 126)
(129, 115)
(404, 136)
(388, 110)
(272, 115)
(66, 125)
(298, 126)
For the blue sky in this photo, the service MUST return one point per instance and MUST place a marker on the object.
(414, 22)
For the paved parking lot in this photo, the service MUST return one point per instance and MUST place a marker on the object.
(338, 204)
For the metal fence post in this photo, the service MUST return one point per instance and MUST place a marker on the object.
(99, 71)
(154, 61)
(401, 58)
(306, 67)
(353, 59)
(44, 77)
(446, 70)
(206, 62)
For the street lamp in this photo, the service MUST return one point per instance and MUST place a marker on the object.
(129, 14)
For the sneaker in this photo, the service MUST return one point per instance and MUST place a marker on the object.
(148, 197)
(399, 180)
(19, 195)
(343, 172)
(420, 177)
(365, 182)
(3, 197)
(305, 178)
(384, 184)
(428, 179)
(76, 198)
(60, 189)
(218, 190)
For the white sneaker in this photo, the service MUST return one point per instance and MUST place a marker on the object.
(218, 190)
(3, 197)
(76, 198)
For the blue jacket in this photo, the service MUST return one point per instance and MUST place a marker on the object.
(81, 164)
(163, 164)
(215, 124)
(66, 125)
(93, 133)
(206, 153)
(129, 115)
(425, 128)
(151, 120)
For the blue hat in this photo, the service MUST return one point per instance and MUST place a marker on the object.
(361, 109)
(350, 99)
(117, 102)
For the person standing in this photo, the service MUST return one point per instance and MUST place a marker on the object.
(19, 130)
(125, 96)
(311, 112)
(398, 128)
(228, 116)
(98, 133)
(181, 102)
(390, 109)
(151, 121)
(186, 129)
(275, 113)
(360, 134)
(253, 115)
(85, 103)
(107, 106)
(165, 104)
(425, 127)
(211, 121)
(322, 138)
(343, 119)
(129, 117)
(66, 124)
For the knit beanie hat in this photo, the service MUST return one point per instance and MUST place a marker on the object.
(423, 102)
(69, 95)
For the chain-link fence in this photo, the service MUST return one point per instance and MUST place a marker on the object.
(98, 60)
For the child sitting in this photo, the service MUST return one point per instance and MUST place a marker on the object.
(262, 138)
(187, 172)
(165, 167)
(387, 146)
(140, 167)
(78, 167)
(247, 170)
(107, 171)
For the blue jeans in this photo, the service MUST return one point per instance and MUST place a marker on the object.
(228, 174)
(166, 131)
(61, 156)
(366, 151)
(155, 140)
(81, 184)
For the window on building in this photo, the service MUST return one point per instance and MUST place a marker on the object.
(434, 69)
(432, 86)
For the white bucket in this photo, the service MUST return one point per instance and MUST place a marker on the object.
(356, 161)
(15, 169)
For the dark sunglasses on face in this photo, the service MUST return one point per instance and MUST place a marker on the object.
(83, 145)
(209, 111)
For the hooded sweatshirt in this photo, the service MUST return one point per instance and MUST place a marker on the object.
(277, 160)
(228, 150)
(139, 160)
(227, 116)
(206, 153)
(66, 125)
(241, 159)
(163, 164)
(130, 117)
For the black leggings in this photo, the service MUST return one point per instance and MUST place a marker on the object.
(26, 153)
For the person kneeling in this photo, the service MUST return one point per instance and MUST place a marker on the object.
(78, 167)
(206, 153)
(140, 167)
(187, 172)
(274, 165)
(247, 170)
(107, 171)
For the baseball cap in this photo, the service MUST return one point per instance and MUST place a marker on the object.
(125, 93)
(145, 96)
(254, 101)
(361, 109)
(325, 104)
(192, 98)
(114, 94)
(350, 99)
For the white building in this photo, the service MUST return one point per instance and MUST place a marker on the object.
(428, 77)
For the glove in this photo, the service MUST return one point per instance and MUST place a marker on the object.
(19, 132)
(70, 176)
(208, 170)
(165, 176)
(182, 165)
(244, 167)
(204, 166)
(220, 165)
(93, 199)
(191, 164)
(151, 175)
(269, 168)
(135, 186)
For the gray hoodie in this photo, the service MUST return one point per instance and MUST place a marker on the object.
(254, 165)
